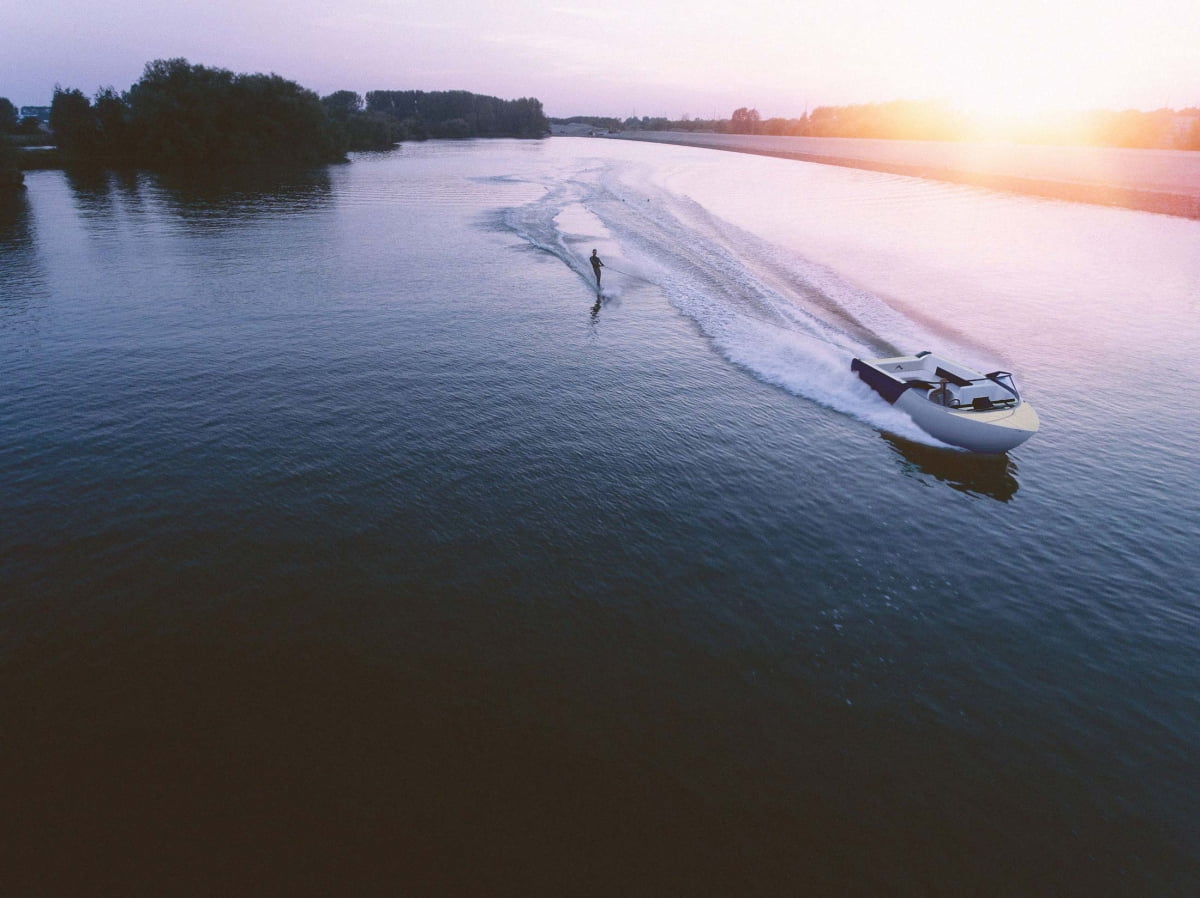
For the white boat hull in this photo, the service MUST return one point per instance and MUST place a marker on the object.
(984, 431)
(951, 402)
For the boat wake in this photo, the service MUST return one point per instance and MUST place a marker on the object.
(784, 319)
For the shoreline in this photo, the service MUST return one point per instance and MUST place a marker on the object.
(1181, 199)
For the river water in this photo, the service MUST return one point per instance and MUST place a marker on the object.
(350, 540)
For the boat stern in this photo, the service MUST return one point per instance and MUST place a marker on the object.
(875, 374)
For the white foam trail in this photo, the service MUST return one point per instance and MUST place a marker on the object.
(784, 319)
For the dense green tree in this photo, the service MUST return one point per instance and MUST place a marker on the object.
(176, 111)
(8, 116)
(428, 113)
(91, 134)
(73, 121)
(183, 116)
(189, 116)
(744, 121)
(11, 177)
(362, 130)
(111, 115)
(342, 104)
(455, 129)
(373, 131)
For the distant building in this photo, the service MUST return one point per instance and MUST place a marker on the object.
(41, 113)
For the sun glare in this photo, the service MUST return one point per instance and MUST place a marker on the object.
(996, 113)
(1026, 65)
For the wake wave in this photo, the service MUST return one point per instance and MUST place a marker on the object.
(786, 320)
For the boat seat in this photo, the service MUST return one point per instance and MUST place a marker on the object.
(951, 377)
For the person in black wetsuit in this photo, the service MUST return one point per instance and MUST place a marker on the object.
(596, 266)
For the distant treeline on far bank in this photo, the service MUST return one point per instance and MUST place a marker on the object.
(936, 120)
(180, 116)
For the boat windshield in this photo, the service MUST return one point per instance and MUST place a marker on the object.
(1005, 379)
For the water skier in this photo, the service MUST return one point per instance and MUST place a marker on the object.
(596, 266)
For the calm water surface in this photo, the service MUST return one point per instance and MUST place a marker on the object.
(350, 541)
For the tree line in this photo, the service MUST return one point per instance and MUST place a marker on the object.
(458, 113)
(936, 120)
(180, 116)
(184, 116)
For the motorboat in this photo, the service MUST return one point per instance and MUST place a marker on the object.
(951, 402)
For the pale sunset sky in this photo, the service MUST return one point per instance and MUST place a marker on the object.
(643, 57)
